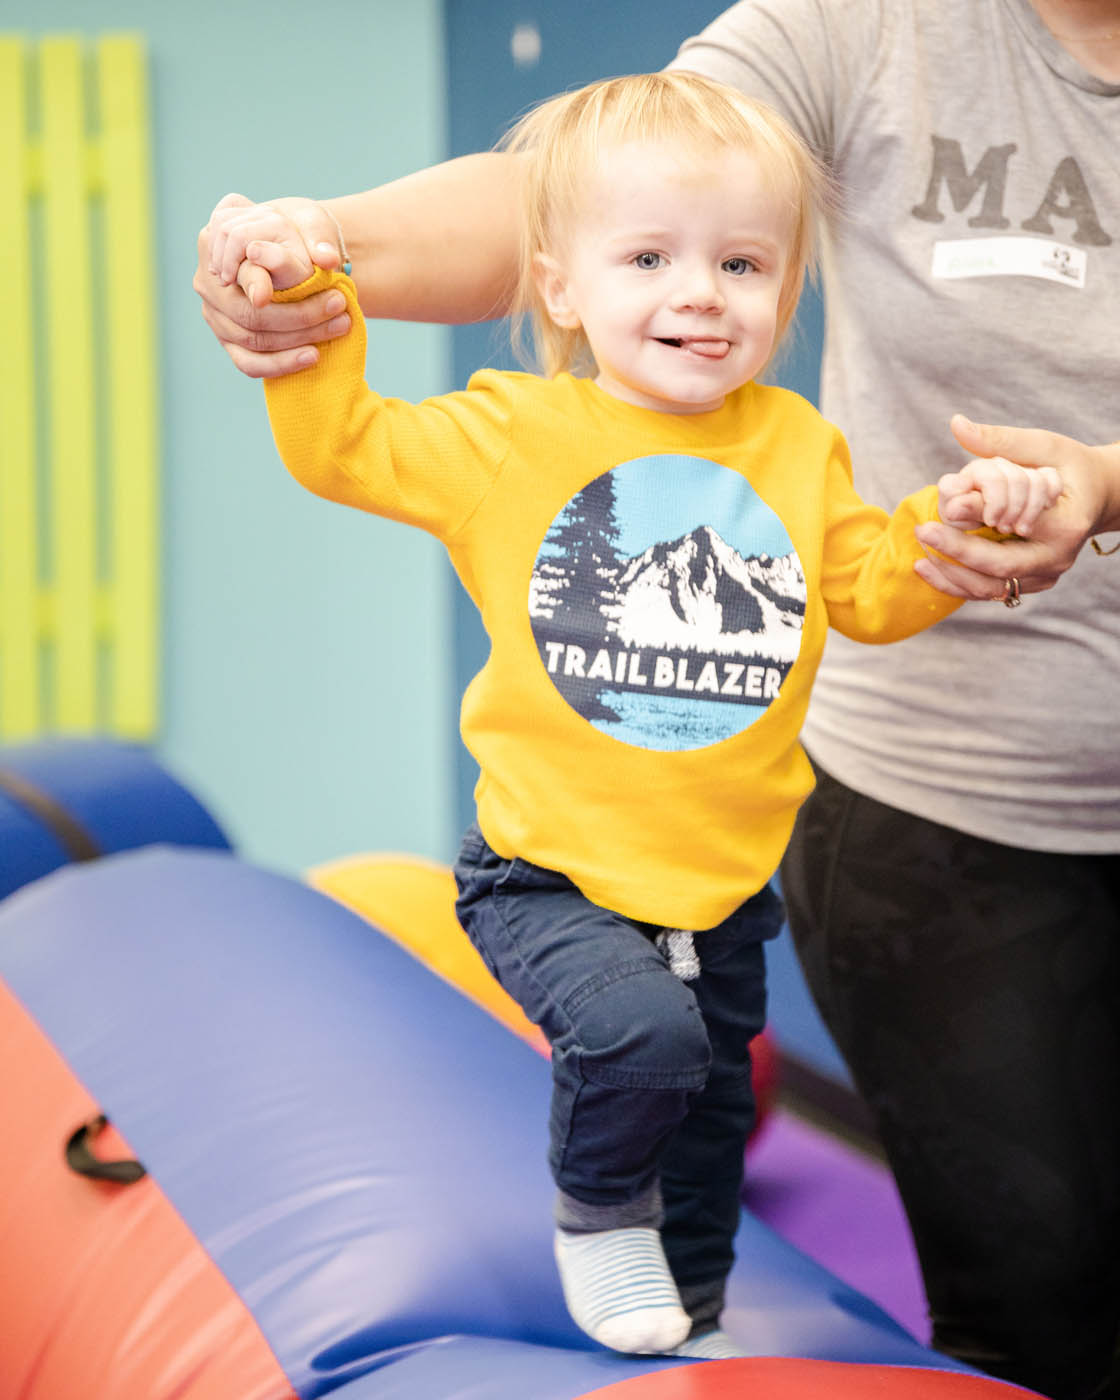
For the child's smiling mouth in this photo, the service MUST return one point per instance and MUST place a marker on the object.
(707, 347)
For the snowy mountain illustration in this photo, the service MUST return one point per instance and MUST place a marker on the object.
(697, 593)
(693, 593)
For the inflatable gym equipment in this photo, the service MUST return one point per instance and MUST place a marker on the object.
(413, 901)
(65, 800)
(323, 1171)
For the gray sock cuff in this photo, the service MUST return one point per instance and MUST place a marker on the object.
(581, 1218)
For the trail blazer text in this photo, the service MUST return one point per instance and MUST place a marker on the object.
(634, 669)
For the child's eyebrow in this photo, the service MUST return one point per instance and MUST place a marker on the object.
(640, 233)
(735, 237)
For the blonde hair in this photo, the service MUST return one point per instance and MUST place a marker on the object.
(559, 143)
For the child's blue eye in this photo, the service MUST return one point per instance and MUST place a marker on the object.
(648, 261)
(737, 266)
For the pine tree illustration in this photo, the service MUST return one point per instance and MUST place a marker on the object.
(584, 556)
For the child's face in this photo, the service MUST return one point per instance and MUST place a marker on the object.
(673, 266)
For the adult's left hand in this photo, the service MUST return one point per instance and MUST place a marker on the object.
(971, 566)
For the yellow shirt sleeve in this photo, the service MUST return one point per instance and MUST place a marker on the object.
(867, 580)
(426, 464)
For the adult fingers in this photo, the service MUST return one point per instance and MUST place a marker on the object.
(1030, 447)
(274, 363)
(976, 563)
(961, 582)
(938, 578)
(275, 327)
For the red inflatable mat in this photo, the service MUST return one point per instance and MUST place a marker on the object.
(777, 1378)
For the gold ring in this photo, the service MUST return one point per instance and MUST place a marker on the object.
(1011, 597)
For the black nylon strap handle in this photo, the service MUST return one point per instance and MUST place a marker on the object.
(74, 839)
(80, 1158)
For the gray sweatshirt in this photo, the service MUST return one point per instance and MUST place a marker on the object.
(975, 268)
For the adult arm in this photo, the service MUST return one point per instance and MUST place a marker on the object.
(438, 245)
(1089, 505)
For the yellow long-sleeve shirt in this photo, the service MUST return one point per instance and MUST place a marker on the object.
(657, 590)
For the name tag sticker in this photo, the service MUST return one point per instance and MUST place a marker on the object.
(1010, 257)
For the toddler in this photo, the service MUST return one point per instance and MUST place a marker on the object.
(657, 544)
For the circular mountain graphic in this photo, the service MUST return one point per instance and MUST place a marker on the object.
(667, 603)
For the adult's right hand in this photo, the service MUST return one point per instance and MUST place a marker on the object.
(262, 339)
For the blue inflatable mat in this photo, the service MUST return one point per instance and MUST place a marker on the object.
(359, 1148)
(67, 799)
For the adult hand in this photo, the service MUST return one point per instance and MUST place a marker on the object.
(262, 339)
(970, 566)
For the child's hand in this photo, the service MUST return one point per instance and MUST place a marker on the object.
(275, 244)
(994, 492)
(266, 238)
(286, 263)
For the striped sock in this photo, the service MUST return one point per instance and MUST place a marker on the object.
(619, 1290)
(710, 1346)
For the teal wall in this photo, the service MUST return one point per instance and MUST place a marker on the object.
(305, 648)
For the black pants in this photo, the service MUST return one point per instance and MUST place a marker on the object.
(974, 990)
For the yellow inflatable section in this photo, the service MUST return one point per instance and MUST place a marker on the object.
(413, 901)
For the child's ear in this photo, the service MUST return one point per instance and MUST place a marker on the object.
(552, 284)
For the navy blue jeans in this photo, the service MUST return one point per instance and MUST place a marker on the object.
(651, 1075)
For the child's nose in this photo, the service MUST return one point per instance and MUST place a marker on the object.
(698, 290)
